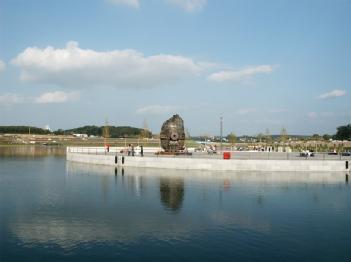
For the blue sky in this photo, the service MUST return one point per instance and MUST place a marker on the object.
(260, 64)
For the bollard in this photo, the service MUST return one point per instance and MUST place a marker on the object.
(116, 171)
(116, 159)
(122, 160)
(347, 164)
(346, 178)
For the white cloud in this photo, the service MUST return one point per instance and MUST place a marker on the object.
(189, 5)
(333, 93)
(56, 97)
(158, 109)
(10, 99)
(239, 75)
(2, 65)
(74, 66)
(245, 111)
(312, 114)
(129, 3)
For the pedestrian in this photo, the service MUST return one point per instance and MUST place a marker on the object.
(129, 149)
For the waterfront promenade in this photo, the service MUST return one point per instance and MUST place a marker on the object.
(240, 161)
(244, 155)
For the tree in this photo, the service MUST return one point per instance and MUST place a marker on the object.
(327, 137)
(260, 137)
(205, 137)
(283, 135)
(145, 132)
(231, 138)
(23, 130)
(343, 133)
(106, 132)
(187, 134)
(316, 137)
(59, 132)
(268, 137)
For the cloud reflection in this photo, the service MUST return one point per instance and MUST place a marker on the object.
(161, 205)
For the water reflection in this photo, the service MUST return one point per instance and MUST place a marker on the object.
(73, 208)
(227, 178)
(172, 192)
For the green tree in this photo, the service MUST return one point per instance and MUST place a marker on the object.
(327, 137)
(283, 135)
(232, 138)
(23, 130)
(59, 132)
(316, 137)
(343, 133)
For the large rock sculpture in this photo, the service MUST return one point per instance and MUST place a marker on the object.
(172, 134)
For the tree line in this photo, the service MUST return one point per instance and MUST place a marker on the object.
(23, 130)
(114, 131)
(342, 133)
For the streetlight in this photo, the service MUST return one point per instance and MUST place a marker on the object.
(221, 132)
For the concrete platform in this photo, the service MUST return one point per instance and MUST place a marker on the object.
(189, 163)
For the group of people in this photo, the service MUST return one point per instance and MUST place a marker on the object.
(132, 151)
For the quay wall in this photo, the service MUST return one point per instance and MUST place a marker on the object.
(210, 164)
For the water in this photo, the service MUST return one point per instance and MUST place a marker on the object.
(51, 210)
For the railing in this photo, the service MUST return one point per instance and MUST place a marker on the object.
(253, 155)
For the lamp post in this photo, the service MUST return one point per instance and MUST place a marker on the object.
(221, 132)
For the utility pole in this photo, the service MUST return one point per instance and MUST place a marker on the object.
(221, 132)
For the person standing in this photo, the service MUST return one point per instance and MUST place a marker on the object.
(129, 149)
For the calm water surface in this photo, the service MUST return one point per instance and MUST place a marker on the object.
(53, 210)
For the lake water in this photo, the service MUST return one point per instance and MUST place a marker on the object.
(53, 210)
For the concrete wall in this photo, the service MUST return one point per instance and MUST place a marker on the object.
(90, 158)
(211, 164)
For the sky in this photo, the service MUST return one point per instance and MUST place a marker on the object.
(261, 65)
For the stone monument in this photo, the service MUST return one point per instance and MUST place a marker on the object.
(172, 135)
